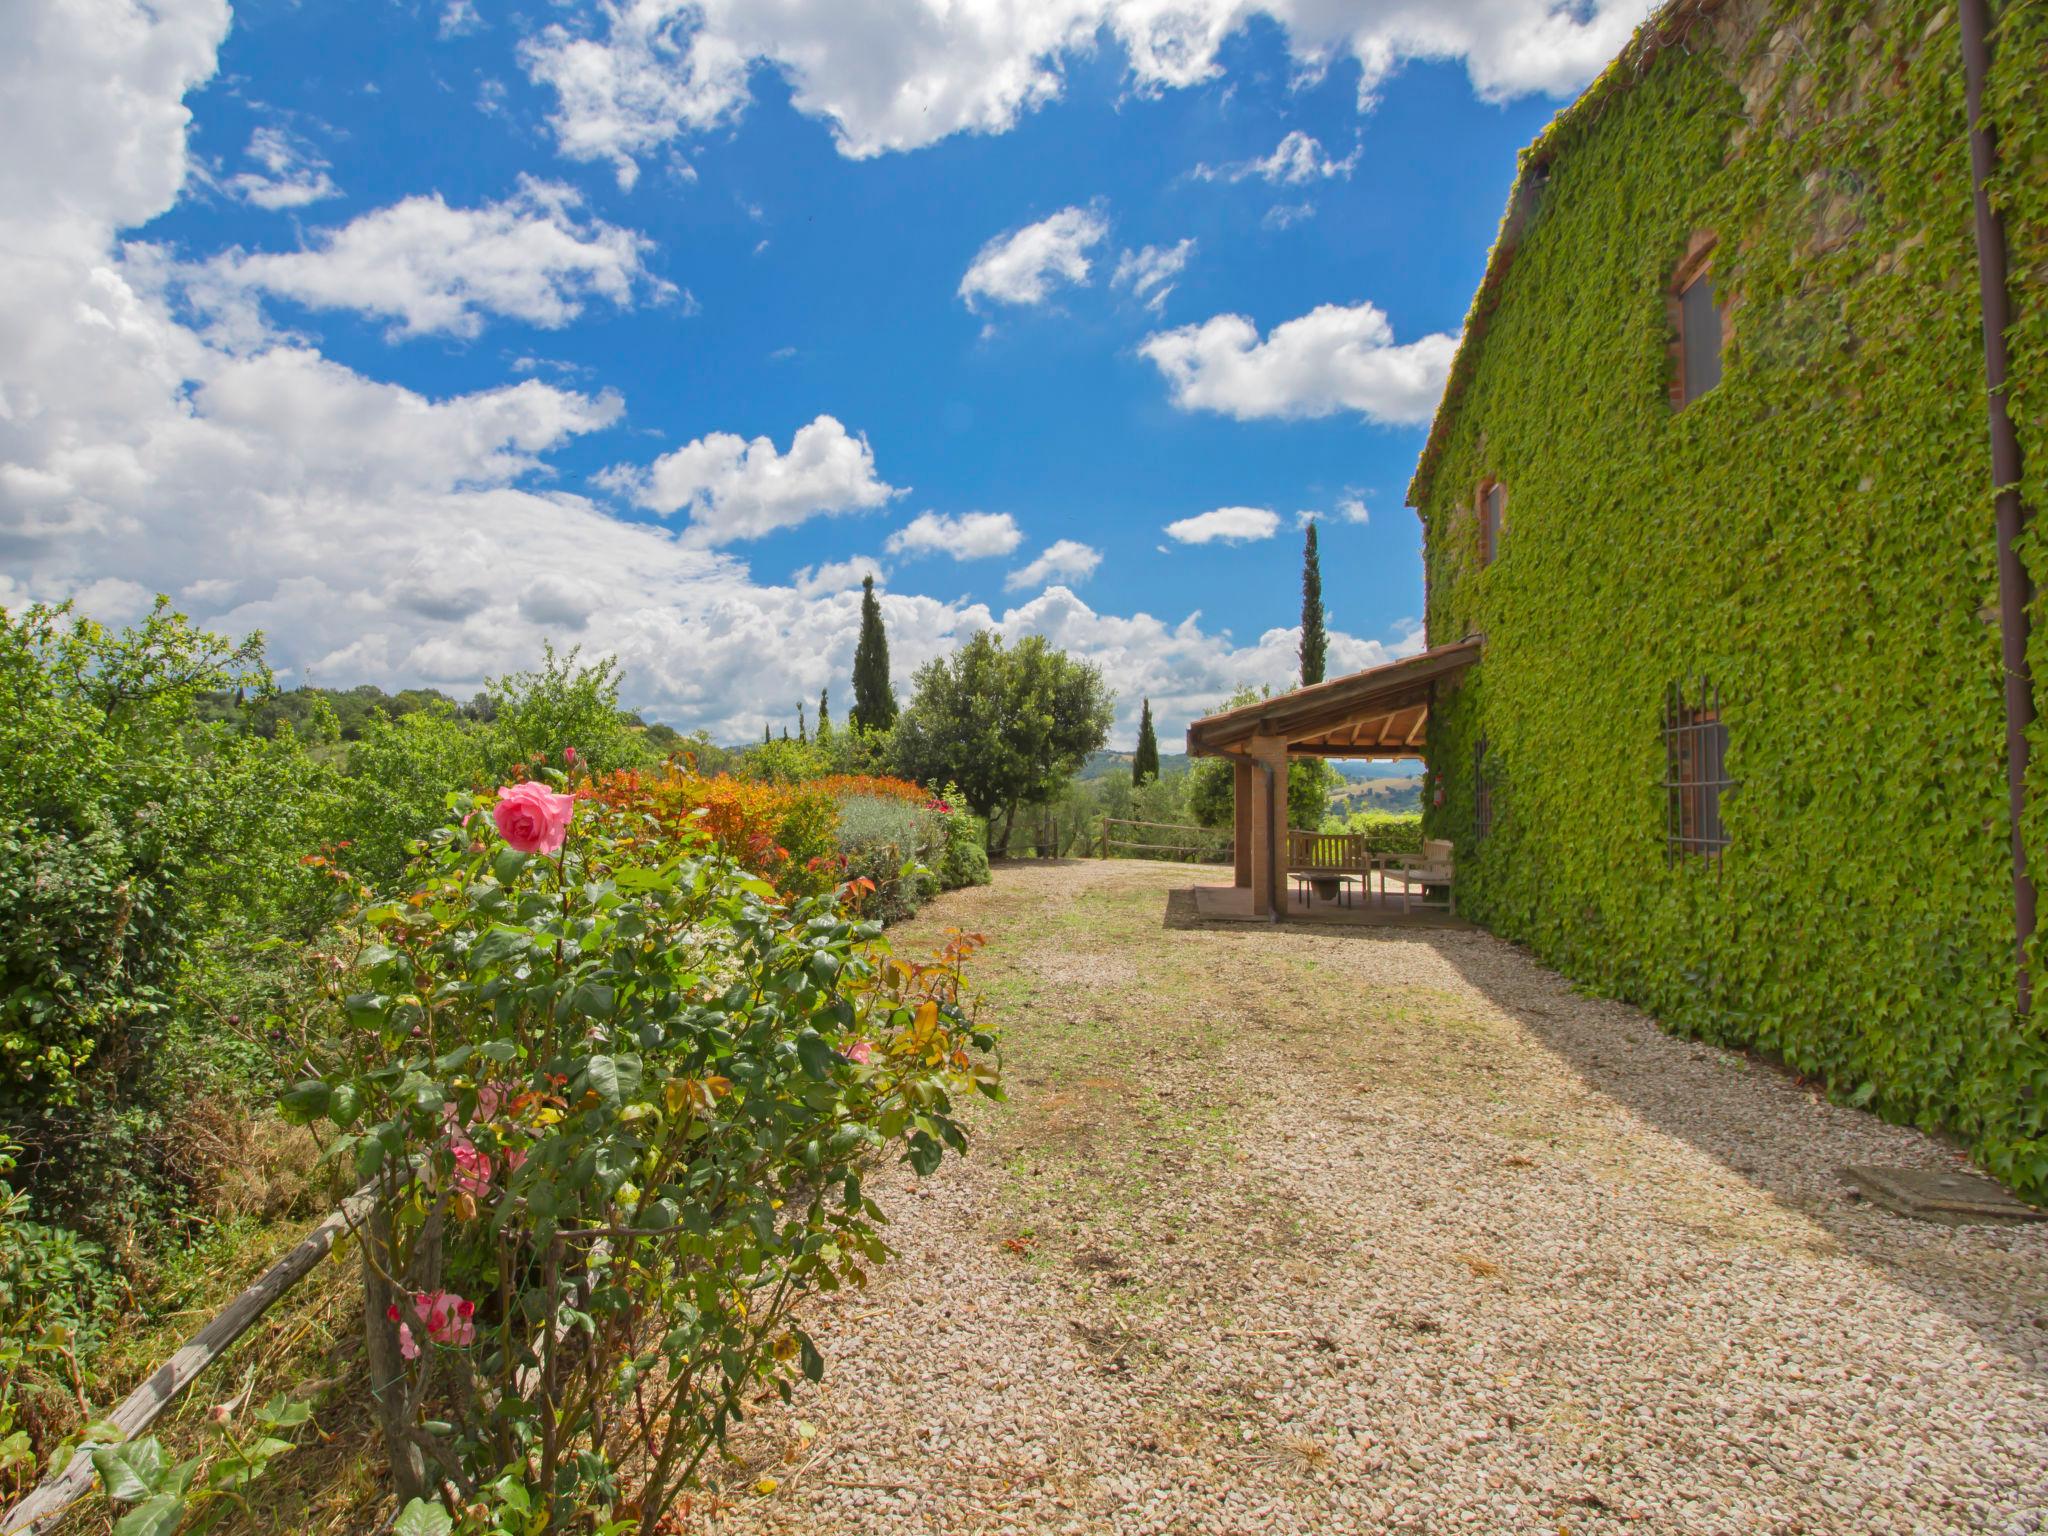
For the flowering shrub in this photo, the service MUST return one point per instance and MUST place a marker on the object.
(617, 1104)
(781, 832)
(876, 786)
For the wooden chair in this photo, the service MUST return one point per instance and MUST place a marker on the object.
(1418, 873)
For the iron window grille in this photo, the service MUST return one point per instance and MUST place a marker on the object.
(1482, 793)
(1696, 773)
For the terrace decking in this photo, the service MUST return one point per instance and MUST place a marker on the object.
(1369, 909)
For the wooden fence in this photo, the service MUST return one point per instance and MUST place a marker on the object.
(39, 1511)
(1202, 845)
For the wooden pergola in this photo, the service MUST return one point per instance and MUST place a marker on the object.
(1381, 712)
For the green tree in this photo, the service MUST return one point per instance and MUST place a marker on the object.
(1145, 761)
(1009, 726)
(1315, 644)
(874, 696)
(1212, 785)
(563, 703)
(824, 731)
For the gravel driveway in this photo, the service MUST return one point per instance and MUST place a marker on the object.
(1389, 1231)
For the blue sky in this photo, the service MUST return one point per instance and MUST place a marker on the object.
(413, 334)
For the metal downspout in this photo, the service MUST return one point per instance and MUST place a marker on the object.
(2015, 594)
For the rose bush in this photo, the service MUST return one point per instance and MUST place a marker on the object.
(618, 1104)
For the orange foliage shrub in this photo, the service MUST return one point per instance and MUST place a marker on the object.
(840, 785)
(782, 832)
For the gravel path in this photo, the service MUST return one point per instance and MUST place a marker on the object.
(1388, 1231)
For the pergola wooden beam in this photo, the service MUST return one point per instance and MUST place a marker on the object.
(1381, 712)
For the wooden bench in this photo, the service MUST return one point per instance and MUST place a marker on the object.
(1335, 858)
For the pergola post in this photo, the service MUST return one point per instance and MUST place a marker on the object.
(1242, 774)
(1268, 772)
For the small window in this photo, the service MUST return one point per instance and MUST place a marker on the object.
(1699, 337)
(1493, 520)
(1697, 314)
(1482, 793)
(1696, 774)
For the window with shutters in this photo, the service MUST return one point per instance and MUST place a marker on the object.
(1696, 773)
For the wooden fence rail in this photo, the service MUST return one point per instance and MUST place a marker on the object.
(1219, 850)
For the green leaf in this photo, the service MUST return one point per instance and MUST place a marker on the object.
(508, 865)
(422, 1517)
(283, 1412)
(815, 1054)
(131, 1470)
(305, 1103)
(593, 1000)
(344, 1105)
(158, 1516)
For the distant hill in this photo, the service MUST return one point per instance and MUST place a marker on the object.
(1388, 794)
(1101, 763)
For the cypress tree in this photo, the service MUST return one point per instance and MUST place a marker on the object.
(1315, 644)
(1145, 761)
(824, 711)
(874, 698)
(801, 733)
(765, 737)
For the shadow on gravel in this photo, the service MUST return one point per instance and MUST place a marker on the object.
(1758, 1121)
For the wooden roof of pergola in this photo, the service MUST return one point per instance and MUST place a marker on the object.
(1380, 712)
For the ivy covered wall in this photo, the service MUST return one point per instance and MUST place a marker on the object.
(1814, 536)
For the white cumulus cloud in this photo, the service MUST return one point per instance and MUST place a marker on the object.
(1067, 559)
(630, 76)
(969, 536)
(735, 489)
(1226, 525)
(1334, 358)
(292, 175)
(429, 267)
(1026, 264)
(379, 533)
(1149, 273)
(836, 575)
(1296, 160)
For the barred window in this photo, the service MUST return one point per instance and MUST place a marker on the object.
(1696, 773)
(1482, 793)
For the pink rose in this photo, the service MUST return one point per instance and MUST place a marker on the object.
(449, 1318)
(569, 756)
(532, 817)
(860, 1052)
(406, 1345)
